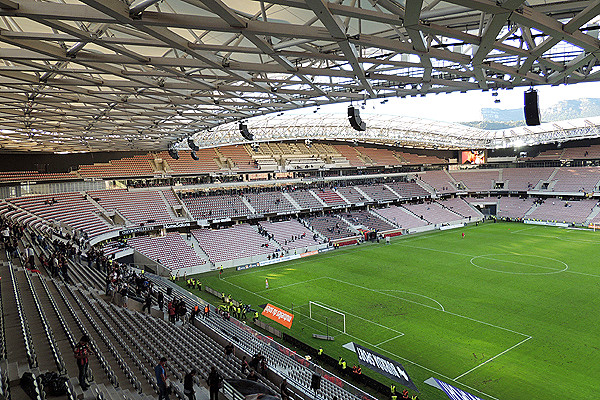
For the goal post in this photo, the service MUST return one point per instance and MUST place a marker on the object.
(327, 316)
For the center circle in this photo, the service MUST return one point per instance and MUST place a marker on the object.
(519, 264)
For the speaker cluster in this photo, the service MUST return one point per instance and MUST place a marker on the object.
(531, 109)
(355, 120)
(245, 132)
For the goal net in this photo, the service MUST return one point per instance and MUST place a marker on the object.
(327, 316)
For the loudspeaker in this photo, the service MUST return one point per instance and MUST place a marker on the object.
(174, 154)
(355, 120)
(192, 145)
(245, 133)
(531, 110)
(315, 383)
(194, 155)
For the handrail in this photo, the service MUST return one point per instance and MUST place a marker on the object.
(31, 355)
(58, 359)
(107, 369)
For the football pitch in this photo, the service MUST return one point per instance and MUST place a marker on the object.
(508, 312)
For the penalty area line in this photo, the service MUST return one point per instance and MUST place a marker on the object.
(491, 359)
(383, 350)
(385, 341)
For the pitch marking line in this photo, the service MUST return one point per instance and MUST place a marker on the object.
(433, 308)
(566, 239)
(291, 284)
(470, 255)
(524, 229)
(416, 294)
(496, 356)
(385, 341)
(381, 349)
(489, 257)
(359, 317)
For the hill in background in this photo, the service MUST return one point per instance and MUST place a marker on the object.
(493, 118)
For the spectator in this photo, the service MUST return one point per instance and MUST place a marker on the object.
(284, 390)
(161, 300)
(214, 383)
(245, 366)
(188, 385)
(252, 376)
(229, 351)
(82, 351)
(161, 379)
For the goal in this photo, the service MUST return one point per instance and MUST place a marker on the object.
(327, 316)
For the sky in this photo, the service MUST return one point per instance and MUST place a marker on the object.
(466, 107)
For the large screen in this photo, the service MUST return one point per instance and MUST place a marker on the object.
(473, 157)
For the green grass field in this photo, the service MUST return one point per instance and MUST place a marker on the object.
(508, 312)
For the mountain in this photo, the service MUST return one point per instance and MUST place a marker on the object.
(493, 118)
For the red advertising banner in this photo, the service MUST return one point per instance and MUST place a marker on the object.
(278, 315)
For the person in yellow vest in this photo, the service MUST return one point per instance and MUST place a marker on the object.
(255, 316)
(393, 389)
(414, 397)
(199, 285)
(320, 352)
(394, 396)
(344, 367)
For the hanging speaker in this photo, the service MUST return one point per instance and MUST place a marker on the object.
(315, 383)
(245, 132)
(174, 154)
(193, 145)
(531, 110)
(194, 155)
(355, 120)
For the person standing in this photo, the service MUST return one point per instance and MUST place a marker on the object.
(214, 382)
(82, 352)
(229, 351)
(161, 379)
(245, 366)
(284, 390)
(161, 300)
(147, 303)
(266, 283)
(188, 385)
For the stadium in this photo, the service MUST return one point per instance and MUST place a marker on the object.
(185, 212)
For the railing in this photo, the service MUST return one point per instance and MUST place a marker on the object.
(56, 354)
(107, 369)
(31, 356)
(230, 392)
(122, 364)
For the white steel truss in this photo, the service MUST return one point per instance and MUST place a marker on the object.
(397, 131)
(102, 75)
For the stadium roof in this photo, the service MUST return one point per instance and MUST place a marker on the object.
(400, 131)
(103, 75)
